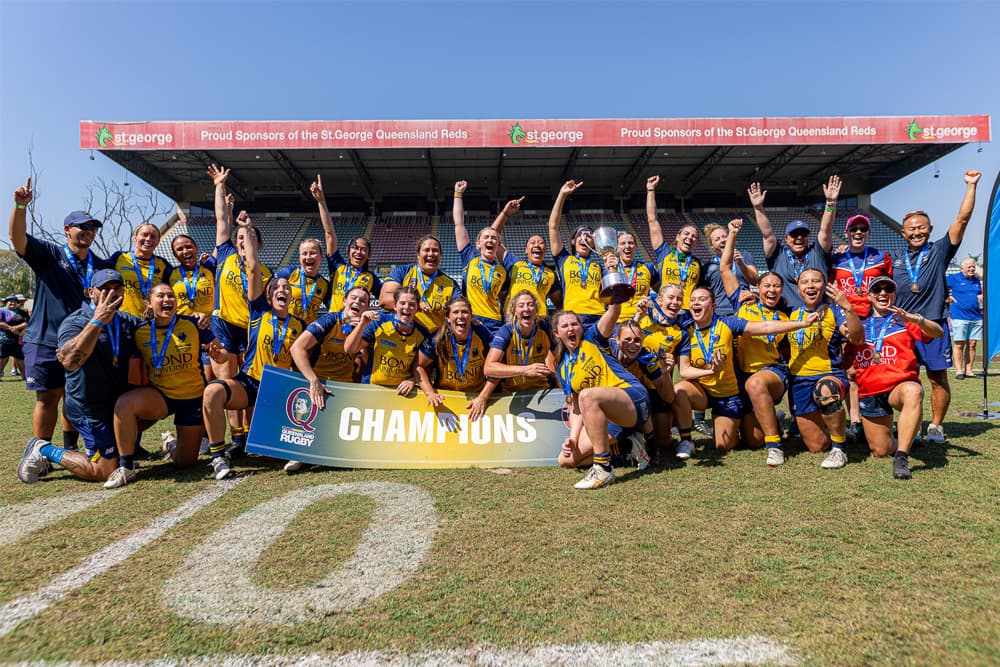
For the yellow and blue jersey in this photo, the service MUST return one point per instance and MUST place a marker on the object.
(139, 277)
(679, 269)
(391, 354)
(593, 364)
(231, 284)
(757, 352)
(645, 367)
(310, 294)
(471, 353)
(195, 290)
(642, 277)
(520, 350)
(344, 278)
(581, 281)
(269, 339)
(483, 283)
(179, 375)
(662, 334)
(436, 291)
(523, 275)
(817, 349)
(701, 344)
(329, 360)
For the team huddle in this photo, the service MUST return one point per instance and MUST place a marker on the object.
(130, 340)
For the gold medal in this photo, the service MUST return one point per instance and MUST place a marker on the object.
(157, 372)
(877, 358)
(114, 360)
(915, 288)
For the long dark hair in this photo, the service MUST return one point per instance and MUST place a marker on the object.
(560, 349)
(442, 341)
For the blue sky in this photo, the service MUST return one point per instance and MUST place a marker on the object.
(64, 62)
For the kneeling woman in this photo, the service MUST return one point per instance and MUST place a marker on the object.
(521, 351)
(888, 374)
(272, 331)
(706, 363)
(170, 346)
(603, 397)
(461, 347)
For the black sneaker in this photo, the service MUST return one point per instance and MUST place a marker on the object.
(901, 467)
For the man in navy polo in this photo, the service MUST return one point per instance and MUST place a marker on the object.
(919, 270)
(62, 274)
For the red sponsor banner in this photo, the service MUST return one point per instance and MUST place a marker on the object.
(319, 134)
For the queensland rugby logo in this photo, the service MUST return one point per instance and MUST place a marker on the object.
(300, 409)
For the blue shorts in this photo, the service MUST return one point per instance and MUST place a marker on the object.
(963, 330)
(936, 355)
(875, 406)
(231, 337)
(12, 350)
(735, 407)
(778, 369)
(800, 394)
(657, 405)
(640, 397)
(98, 437)
(493, 326)
(186, 411)
(587, 320)
(42, 371)
(251, 386)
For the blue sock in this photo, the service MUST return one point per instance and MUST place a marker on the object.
(53, 453)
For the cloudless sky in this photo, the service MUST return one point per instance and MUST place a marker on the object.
(62, 62)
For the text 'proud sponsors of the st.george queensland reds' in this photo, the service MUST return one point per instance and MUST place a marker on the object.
(335, 134)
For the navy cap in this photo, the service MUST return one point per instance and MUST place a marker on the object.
(880, 280)
(105, 276)
(795, 225)
(77, 218)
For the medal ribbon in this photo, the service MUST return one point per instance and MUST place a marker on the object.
(243, 276)
(524, 354)
(706, 353)
(585, 274)
(306, 300)
(798, 266)
(859, 274)
(631, 272)
(915, 272)
(190, 284)
(351, 276)
(487, 284)
(461, 361)
(800, 335)
(159, 354)
(74, 261)
(424, 284)
(877, 341)
(147, 283)
(774, 318)
(537, 272)
(666, 320)
(682, 273)
(567, 371)
(278, 336)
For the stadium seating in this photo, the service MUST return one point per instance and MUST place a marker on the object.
(200, 228)
(394, 236)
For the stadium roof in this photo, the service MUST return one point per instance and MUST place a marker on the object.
(411, 165)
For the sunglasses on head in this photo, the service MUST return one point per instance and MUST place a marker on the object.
(799, 233)
(891, 289)
(909, 215)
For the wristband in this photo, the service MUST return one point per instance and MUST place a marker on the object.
(100, 324)
(830, 209)
(458, 195)
(20, 206)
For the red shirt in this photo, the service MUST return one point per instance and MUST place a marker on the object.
(898, 362)
(866, 266)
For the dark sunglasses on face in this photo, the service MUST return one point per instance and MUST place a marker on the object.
(799, 233)
(878, 289)
(859, 228)
(87, 227)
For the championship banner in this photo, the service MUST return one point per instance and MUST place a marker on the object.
(539, 133)
(367, 426)
(991, 279)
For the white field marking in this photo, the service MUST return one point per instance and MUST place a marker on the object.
(16, 521)
(214, 584)
(17, 611)
(753, 650)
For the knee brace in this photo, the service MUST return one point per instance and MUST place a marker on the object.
(828, 394)
(225, 385)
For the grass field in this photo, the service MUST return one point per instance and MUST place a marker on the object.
(845, 567)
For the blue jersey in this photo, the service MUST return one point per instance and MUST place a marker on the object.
(789, 268)
(965, 292)
(928, 273)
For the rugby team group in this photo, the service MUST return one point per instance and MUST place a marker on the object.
(130, 340)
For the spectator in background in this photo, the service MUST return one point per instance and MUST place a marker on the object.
(13, 322)
(965, 293)
(743, 268)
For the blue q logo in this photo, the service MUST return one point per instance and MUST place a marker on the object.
(300, 409)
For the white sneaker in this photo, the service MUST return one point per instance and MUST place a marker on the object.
(120, 477)
(32, 462)
(935, 434)
(220, 466)
(639, 452)
(169, 446)
(684, 450)
(294, 466)
(596, 478)
(837, 458)
(775, 457)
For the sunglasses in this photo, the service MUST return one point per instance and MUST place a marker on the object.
(909, 215)
(878, 289)
(799, 233)
(859, 228)
(87, 227)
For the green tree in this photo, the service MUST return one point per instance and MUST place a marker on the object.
(15, 276)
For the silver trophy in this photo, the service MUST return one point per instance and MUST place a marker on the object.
(615, 287)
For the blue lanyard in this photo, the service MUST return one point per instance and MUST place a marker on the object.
(396, 323)
(800, 335)
(567, 371)
(666, 320)
(487, 284)
(632, 272)
(75, 263)
(306, 300)
(797, 266)
(524, 354)
(424, 284)
(585, 273)
(351, 276)
(461, 361)
(114, 337)
(278, 341)
(243, 276)
(712, 337)
(537, 272)
(915, 272)
(190, 284)
(147, 283)
(159, 354)
(859, 274)
(877, 341)
(763, 318)
(683, 273)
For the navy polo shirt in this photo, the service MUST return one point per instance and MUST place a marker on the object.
(788, 268)
(930, 275)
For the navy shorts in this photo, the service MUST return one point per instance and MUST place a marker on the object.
(186, 411)
(493, 326)
(42, 371)
(98, 437)
(231, 337)
(734, 407)
(800, 395)
(657, 405)
(936, 355)
(640, 397)
(778, 369)
(251, 386)
(11, 350)
(875, 406)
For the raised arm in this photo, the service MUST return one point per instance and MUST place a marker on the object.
(832, 192)
(957, 230)
(729, 279)
(760, 217)
(555, 238)
(606, 325)
(223, 224)
(19, 217)
(458, 216)
(255, 286)
(329, 233)
(655, 231)
(510, 209)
